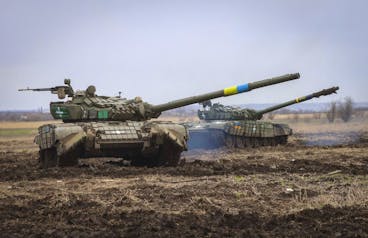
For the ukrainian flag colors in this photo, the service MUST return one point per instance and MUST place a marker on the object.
(309, 97)
(301, 99)
(236, 89)
(230, 91)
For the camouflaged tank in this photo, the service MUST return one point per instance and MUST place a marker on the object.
(235, 127)
(101, 126)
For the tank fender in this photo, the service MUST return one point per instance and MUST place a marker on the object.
(70, 142)
(66, 129)
(173, 132)
(67, 137)
(48, 135)
(282, 130)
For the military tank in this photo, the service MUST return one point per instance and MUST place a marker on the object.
(235, 127)
(102, 126)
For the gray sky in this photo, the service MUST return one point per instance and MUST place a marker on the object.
(163, 50)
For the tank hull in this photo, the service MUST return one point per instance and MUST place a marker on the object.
(145, 143)
(240, 134)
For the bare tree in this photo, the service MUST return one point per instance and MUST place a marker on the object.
(345, 109)
(359, 112)
(331, 113)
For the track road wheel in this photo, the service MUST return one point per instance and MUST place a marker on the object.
(252, 142)
(247, 142)
(240, 142)
(70, 158)
(48, 158)
(283, 140)
(229, 141)
(264, 141)
(168, 155)
(139, 161)
(271, 141)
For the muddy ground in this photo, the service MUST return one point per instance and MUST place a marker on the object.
(288, 191)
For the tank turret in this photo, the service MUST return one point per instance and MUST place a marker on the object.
(218, 111)
(87, 106)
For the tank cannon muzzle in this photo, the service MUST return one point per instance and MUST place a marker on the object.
(237, 89)
(324, 92)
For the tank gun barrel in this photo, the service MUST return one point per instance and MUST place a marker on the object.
(224, 92)
(323, 92)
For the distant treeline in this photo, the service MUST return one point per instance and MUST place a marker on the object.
(24, 116)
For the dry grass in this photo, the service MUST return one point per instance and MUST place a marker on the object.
(24, 124)
(318, 127)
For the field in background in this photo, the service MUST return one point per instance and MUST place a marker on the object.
(20, 128)
(24, 124)
(311, 128)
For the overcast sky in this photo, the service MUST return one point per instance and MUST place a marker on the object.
(164, 50)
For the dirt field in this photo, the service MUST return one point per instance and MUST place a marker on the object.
(288, 191)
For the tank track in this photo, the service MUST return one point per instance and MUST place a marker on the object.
(214, 138)
(237, 134)
(48, 158)
(168, 155)
(233, 141)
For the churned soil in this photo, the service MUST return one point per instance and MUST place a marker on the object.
(284, 191)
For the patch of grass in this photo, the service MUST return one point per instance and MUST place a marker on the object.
(238, 178)
(239, 195)
(17, 132)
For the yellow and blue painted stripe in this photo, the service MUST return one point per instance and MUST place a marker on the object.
(301, 99)
(236, 89)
